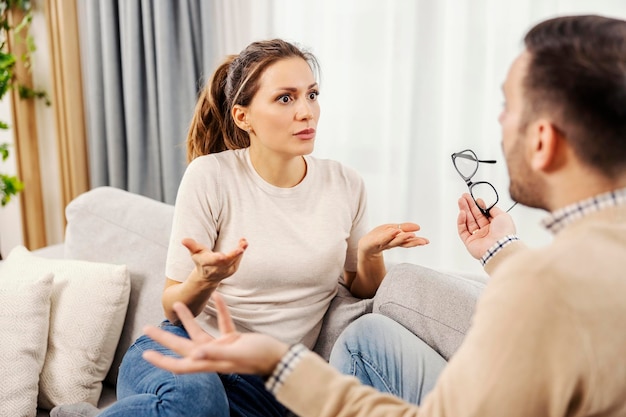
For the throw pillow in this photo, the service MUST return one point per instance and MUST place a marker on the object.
(24, 318)
(88, 308)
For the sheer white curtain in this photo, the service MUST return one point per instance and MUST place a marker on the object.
(405, 83)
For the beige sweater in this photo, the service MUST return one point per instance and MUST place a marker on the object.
(548, 339)
(300, 240)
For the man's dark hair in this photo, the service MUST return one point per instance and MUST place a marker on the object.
(577, 75)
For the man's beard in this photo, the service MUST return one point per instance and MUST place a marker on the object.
(524, 186)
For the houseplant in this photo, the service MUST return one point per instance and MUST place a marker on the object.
(10, 185)
(15, 18)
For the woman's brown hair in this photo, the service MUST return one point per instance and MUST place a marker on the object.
(234, 82)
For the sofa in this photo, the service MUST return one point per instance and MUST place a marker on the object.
(110, 226)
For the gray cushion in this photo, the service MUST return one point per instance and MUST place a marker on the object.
(437, 307)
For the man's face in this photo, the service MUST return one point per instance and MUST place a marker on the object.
(525, 185)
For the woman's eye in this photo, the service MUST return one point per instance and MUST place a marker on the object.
(284, 99)
(313, 95)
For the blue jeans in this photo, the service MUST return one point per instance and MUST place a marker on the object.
(385, 355)
(144, 390)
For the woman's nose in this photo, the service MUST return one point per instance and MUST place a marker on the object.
(305, 110)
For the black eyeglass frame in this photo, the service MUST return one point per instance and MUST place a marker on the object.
(470, 154)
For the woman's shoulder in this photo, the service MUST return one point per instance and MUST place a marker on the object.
(335, 169)
(217, 161)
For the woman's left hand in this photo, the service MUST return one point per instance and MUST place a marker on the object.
(387, 236)
(371, 264)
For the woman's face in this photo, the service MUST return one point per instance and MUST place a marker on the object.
(282, 117)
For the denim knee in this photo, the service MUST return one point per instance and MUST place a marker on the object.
(152, 391)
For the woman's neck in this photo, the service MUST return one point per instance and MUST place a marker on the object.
(280, 171)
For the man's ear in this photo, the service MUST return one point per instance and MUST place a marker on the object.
(240, 116)
(544, 142)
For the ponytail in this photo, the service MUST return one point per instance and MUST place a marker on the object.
(212, 129)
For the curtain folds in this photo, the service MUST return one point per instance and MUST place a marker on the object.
(143, 65)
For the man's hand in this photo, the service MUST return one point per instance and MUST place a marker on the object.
(232, 352)
(479, 232)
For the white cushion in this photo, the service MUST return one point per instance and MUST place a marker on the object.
(24, 318)
(88, 307)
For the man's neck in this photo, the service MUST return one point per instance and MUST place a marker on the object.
(571, 189)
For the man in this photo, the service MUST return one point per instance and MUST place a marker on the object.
(549, 334)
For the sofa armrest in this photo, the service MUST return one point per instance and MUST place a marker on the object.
(435, 306)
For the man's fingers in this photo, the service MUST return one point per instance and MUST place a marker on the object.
(463, 202)
(186, 317)
(461, 223)
(178, 344)
(224, 321)
(175, 365)
(195, 363)
(467, 207)
(495, 210)
(481, 219)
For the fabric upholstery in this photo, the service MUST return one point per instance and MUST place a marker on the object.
(110, 225)
(343, 310)
(24, 320)
(437, 307)
(87, 309)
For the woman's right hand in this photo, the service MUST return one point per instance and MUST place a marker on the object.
(213, 267)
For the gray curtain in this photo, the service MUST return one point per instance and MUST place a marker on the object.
(143, 64)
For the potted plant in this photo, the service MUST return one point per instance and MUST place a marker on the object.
(10, 185)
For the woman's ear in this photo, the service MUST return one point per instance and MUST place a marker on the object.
(544, 142)
(240, 116)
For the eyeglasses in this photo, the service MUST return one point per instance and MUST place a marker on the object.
(484, 194)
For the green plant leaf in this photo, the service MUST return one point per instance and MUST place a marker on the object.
(10, 185)
(7, 60)
(4, 151)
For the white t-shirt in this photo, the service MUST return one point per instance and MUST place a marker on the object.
(300, 240)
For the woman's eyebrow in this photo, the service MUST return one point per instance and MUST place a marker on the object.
(291, 89)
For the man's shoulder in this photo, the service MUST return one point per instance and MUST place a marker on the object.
(594, 258)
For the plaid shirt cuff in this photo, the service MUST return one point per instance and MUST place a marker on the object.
(492, 251)
(284, 368)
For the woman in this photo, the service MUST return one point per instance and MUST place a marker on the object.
(260, 221)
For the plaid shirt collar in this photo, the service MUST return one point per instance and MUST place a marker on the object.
(559, 219)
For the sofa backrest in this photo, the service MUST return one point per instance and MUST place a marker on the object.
(107, 224)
